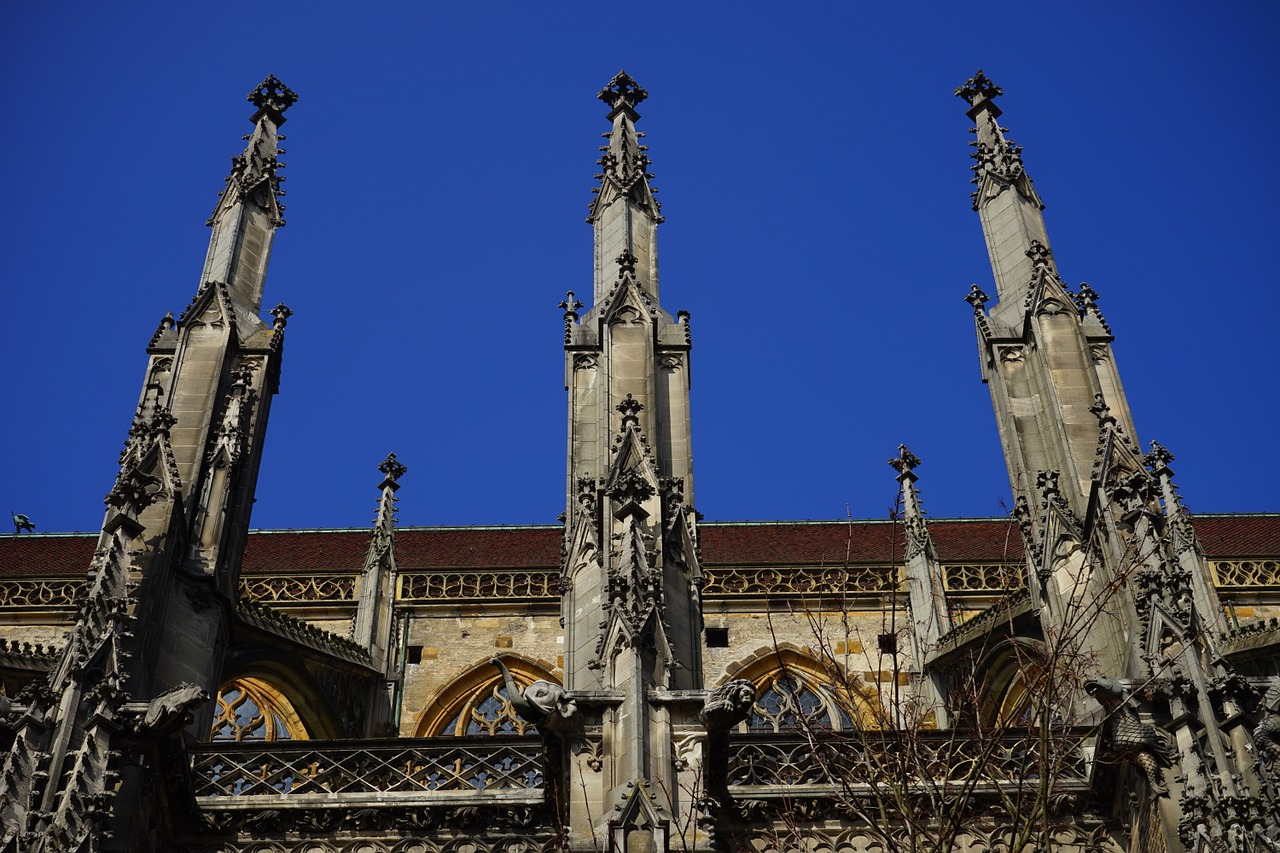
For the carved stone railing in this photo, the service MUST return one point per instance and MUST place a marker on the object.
(803, 580)
(982, 577)
(846, 761)
(272, 589)
(452, 586)
(424, 769)
(40, 592)
(1257, 571)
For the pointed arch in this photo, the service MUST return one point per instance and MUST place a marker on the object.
(796, 691)
(476, 702)
(253, 709)
(1013, 682)
(306, 709)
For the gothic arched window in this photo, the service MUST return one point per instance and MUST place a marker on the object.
(788, 701)
(795, 692)
(252, 709)
(488, 712)
(478, 704)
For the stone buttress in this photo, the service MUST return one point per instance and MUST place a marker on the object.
(631, 575)
(1123, 591)
(98, 747)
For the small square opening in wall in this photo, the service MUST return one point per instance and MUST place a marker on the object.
(413, 654)
(717, 638)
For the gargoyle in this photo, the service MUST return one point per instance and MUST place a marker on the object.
(727, 705)
(544, 703)
(1149, 747)
(169, 711)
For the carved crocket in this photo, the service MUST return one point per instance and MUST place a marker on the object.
(1148, 746)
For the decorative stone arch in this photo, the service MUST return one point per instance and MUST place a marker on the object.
(302, 709)
(476, 701)
(1010, 675)
(251, 709)
(797, 691)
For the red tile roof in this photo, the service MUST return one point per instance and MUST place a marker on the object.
(723, 543)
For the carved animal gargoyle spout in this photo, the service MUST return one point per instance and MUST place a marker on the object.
(544, 703)
(728, 705)
(1130, 739)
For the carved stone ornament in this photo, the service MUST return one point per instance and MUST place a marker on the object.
(622, 91)
(727, 705)
(392, 468)
(1130, 739)
(272, 95)
(543, 703)
(905, 462)
(978, 87)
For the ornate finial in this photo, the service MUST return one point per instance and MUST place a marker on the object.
(570, 307)
(1101, 410)
(630, 408)
(1087, 299)
(978, 87)
(1040, 255)
(392, 468)
(622, 93)
(282, 313)
(977, 298)
(272, 97)
(904, 462)
(626, 264)
(1158, 458)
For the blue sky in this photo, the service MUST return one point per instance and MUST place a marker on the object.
(813, 164)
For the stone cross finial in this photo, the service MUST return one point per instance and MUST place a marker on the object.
(978, 88)
(626, 264)
(570, 305)
(905, 462)
(392, 469)
(977, 298)
(622, 92)
(273, 97)
(1159, 457)
(282, 313)
(630, 408)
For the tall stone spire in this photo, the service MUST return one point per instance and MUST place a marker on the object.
(148, 642)
(624, 212)
(631, 574)
(375, 610)
(1046, 351)
(1005, 200)
(249, 210)
(930, 618)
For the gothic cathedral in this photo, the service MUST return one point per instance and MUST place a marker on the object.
(1098, 671)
